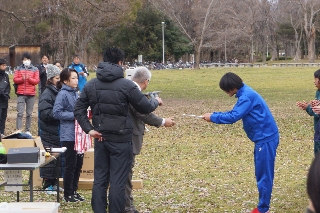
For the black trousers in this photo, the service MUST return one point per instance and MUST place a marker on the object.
(3, 117)
(73, 162)
(112, 163)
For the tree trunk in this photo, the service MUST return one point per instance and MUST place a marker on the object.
(197, 51)
(274, 54)
(311, 38)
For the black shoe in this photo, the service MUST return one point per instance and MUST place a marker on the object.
(78, 197)
(70, 199)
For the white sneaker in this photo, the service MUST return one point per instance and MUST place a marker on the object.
(28, 133)
(52, 192)
(60, 189)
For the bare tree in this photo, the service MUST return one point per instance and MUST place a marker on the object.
(310, 9)
(194, 18)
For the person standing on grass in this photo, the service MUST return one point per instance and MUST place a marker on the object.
(312, 109)
(82, 71)
(49, 127)
(260, 127)
(141, 78)
(109, 96)
(26, 77)
(63, 110)
(5, 89)
(43, 73)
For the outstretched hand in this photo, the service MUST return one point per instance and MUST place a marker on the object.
(169, 122)
(207, 117)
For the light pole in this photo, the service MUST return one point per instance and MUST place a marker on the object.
(162, 42)
(267, 48)
(225, 48)
(251, 48)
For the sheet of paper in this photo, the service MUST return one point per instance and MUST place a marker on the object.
(62, 149)
(13, 177)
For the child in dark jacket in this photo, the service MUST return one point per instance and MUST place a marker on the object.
(63, 111)
(4, 95)
(308, 107)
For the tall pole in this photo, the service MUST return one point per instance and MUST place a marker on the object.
(251, 48)
(267, 48)
(162, 42)
(225, 48)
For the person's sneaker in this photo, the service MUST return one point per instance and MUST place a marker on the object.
(257, 211)
(60, 189)
(77, 196)
(28, 133)
(69, 199)
(51, 190)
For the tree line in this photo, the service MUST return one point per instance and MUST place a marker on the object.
(213, 30)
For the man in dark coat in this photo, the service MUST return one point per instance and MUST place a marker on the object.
(141, 78)
(43, 73)
(4, 95)
(109, 96)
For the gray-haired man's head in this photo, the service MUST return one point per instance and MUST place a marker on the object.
(141, 74)
(142, 77)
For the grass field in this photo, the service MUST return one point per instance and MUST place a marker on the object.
(203, 167)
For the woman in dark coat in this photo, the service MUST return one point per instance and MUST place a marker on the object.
(49, 126)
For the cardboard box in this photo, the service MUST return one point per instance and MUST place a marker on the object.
(17, 143)
(23, 155)
(88, 164)
(37, 180)
(86, 183)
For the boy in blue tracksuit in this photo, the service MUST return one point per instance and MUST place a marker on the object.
(260, 127)
(82, 71)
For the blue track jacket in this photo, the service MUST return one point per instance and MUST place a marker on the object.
(258, 122)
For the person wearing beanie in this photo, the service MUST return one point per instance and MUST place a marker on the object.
(4, 95)
(49, 127)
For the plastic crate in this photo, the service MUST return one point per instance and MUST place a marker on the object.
(30, 207)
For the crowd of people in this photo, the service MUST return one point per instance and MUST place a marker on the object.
(119, 113)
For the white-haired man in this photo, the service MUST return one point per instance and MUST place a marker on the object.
(141, 78)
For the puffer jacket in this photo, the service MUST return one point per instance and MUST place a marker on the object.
(63, 111)
(4, 89)
(27, 86)
(109, 96)
(49, 126)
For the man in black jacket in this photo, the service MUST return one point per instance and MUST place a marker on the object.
(43, 73)
(4, 95)
(109, 96)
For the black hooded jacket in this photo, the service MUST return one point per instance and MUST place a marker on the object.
(49, 126)
(4, 89)
(109, 96)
